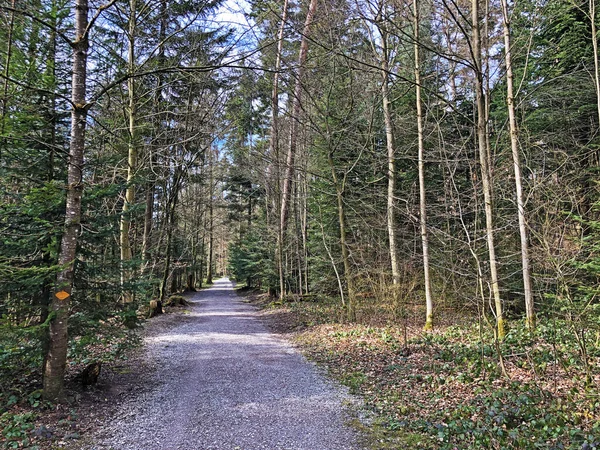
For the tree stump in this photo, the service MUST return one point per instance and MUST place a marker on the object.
(154, 308)
(90, 374)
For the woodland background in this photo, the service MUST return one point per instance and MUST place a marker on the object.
(414, 164)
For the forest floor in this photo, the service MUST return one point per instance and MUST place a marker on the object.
(446, 389)
(443, 389)
(211, 376)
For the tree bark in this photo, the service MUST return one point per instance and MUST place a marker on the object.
(56, 358)
(421, 160)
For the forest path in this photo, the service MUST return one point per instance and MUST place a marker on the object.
(225, 382)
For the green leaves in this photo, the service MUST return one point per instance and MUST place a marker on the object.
(15, 429)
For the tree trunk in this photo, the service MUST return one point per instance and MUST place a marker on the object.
(148, 215)
(421, 159)
(132, 156)
(514, 144)
(150, 186)
(9, 44)
(56, 358)
(351, 306)
(274, 141)
(305, 231)
(298, 230)
(295, 117)
(209, 269)
(484, 162)
(391, 157)
(339, 191)
(592, 12)
(170, 228)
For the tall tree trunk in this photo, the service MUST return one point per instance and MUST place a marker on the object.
(211, 235)
(293, 142)
(421, 159)
(298, 231)
(191, 270)
(592, 13)
(9, 44)
(484, 162)
(391, 158)
(172, 205)
(56, 358)
(150, 186)
(514, 144)
(274, 142)
(351, 305)
(305, 230)
(348, 278)
(148, 218)
(132, 156)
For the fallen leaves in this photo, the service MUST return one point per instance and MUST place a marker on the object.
(445, 386)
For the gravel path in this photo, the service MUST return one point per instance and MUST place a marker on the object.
(225, 382)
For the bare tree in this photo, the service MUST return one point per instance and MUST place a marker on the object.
(484, 162)
(514, 144)
(421, 162)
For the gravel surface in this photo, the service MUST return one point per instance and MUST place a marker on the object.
(225, 382)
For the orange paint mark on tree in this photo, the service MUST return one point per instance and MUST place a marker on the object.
(62, 295)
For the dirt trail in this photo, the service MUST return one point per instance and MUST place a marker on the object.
(225, 382)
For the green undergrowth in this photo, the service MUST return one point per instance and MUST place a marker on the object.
(21, 355)
(448, 389)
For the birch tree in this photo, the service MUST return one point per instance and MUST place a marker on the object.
(391, 151)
